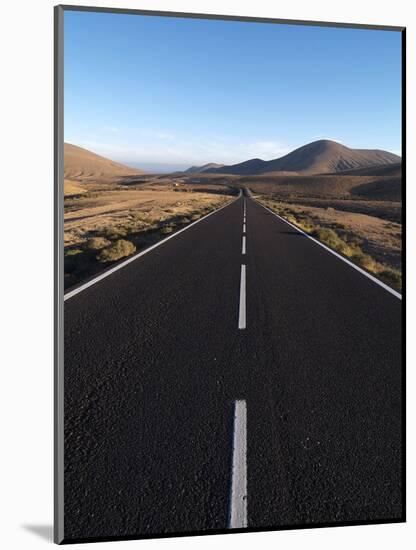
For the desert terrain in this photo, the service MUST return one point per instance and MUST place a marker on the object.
(112, 211)
(360, 216)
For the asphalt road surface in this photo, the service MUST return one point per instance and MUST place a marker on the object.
(221, 382)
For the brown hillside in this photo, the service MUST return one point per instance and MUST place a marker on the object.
(319, 157)
(85, 166)
(204, 168)
(392, 170)
(328, 185)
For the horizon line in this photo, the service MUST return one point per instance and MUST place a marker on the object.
(195, 162)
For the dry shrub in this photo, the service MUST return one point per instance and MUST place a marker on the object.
(117, 250)
(333, 240)
(392, 276)
(115, 232)
(73, 252)
(97, 243)
(366, 261)
(167, 229)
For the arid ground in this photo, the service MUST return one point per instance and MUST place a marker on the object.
(356, 212)
(111, 210)
(107, 223)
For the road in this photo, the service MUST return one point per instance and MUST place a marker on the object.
(218, 382)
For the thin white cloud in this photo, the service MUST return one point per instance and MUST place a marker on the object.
(156, 134)
(163, 147)
(114, 129)
(266, 150)
(164, 135)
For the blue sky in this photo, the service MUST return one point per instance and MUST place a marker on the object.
(172, 92)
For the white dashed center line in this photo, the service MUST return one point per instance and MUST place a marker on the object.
(238, 497)
(238, 500)
(242, 312)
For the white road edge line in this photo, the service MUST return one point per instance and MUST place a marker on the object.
(362, 271)
(242, 308)
(243, 248)
(140, 254)
(238, 500)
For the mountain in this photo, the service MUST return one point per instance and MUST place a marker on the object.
(384, 170)
(85, 166)
(319, 157)
(204, 168)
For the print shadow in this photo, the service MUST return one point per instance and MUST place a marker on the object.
(43, 531)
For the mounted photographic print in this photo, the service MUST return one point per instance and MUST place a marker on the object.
(228, 347)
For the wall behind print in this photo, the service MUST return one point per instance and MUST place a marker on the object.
(26, 36)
